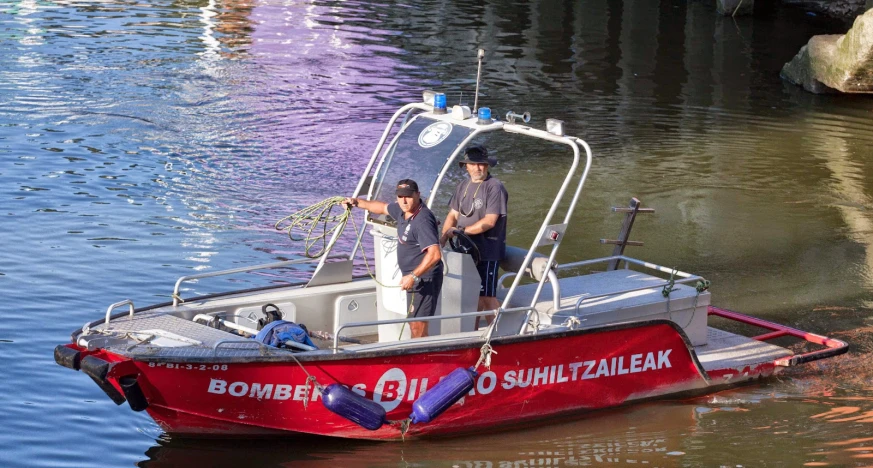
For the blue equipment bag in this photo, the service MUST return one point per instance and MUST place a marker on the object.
(278, 332)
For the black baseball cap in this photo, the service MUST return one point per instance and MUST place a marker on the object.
(406, 188)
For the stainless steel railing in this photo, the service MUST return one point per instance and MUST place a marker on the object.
(126, 302)
(685, 277)
(263, 266)
(336, 335)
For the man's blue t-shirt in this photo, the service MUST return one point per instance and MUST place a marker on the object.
(415, 235)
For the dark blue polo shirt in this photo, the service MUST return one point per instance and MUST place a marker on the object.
(414, 236)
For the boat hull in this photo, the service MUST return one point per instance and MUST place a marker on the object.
(530, 378)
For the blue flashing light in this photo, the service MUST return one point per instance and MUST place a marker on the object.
(439, 101)
(484, 116)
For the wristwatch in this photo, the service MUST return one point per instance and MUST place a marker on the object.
(415, 279)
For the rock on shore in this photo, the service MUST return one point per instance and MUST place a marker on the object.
(836, 63)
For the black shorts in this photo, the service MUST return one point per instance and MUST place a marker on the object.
(425, 295)
(488, 273)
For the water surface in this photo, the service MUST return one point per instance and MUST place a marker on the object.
(140, 142)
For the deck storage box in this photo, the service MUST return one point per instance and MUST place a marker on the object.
(631, 296)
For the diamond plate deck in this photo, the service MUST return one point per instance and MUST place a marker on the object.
(725, 350)
(208, 337)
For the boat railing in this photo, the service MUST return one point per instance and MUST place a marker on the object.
(832, 347)
(552, 280)
(642, 263)
(549, 231)
(112, 307)
(684, 277)
(435, 318)
(263, 349)
(263, 266)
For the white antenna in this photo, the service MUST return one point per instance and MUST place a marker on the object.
(478, 77)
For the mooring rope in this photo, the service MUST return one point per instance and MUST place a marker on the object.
(485, 353)
(701, 286)
(309, 378)
(309, 219)
(668, 288)
(402, 426)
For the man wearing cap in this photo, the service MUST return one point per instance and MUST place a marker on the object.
(478, 208)
(418, 251)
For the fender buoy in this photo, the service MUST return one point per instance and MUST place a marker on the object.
(446, 393)
(357, 409)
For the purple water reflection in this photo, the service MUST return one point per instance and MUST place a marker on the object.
(324, 86)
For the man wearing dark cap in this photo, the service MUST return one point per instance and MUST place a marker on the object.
(418, 250)
(478, 208)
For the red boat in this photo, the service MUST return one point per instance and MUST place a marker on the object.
(562, 342)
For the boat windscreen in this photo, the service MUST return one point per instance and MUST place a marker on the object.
(418, 153)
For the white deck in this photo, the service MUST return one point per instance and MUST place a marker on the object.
(725, 350)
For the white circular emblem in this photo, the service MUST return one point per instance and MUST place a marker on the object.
(434, 134)
(390, 389)
(478, 203)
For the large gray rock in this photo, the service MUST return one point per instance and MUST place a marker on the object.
(830, 63)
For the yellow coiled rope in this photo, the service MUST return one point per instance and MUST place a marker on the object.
(316, 223)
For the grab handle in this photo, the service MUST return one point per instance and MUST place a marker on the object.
(127, 302)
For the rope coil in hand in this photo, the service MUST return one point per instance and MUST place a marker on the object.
(317, 223)
(315, 218)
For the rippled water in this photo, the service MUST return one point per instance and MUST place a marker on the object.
(142, 141)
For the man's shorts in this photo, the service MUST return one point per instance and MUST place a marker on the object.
(425, 295)
(488, 273)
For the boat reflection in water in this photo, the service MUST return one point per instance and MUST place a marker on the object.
(649, 434)
(732, 425)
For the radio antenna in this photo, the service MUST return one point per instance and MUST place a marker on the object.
(481, 55)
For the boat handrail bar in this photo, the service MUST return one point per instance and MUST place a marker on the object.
(261, 346)
(263, 266)
(642, 288)
(357, 192)
(573, 143)
(435, 318)
(126, 302)
(521, 129)
(642, 263)
(553, 281)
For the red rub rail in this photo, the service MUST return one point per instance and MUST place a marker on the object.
(833, 347)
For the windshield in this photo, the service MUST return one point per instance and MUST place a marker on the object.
(419, 153)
